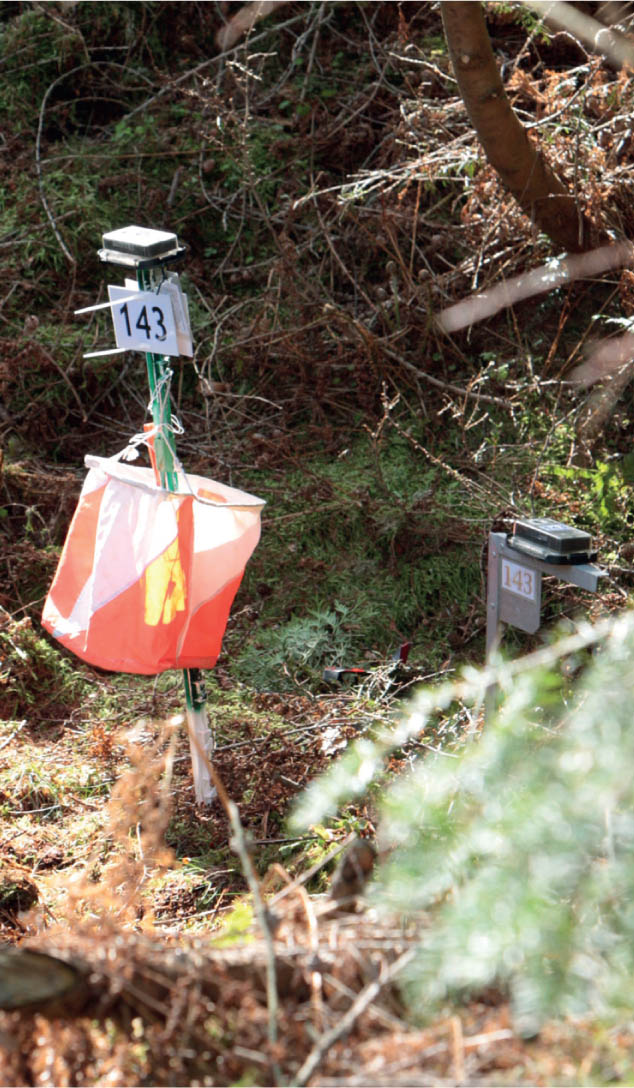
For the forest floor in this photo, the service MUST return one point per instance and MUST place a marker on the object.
(108, 865)
(333, 199)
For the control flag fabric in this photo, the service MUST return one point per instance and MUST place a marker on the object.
(147, 577)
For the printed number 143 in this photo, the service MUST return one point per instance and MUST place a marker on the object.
(142, 323)
(516, 579)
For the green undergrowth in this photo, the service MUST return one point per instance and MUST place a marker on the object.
(378, 544)
(358, 553)
(605, 493)
(32, 784)
(237, 926)
(34, 677)
(530, 829)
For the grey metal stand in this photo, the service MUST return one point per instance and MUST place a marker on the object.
(514, 585)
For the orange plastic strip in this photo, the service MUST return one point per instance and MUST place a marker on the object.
(152, 452)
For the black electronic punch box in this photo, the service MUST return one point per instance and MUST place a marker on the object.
(551, 541)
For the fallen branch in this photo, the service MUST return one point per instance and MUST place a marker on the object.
(365, 998)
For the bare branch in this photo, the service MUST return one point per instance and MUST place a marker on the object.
(365, 998)
(545, 278)
(600, 38)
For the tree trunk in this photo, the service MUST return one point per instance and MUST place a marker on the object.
(519, 164)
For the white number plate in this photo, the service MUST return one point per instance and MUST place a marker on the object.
(180, 309)
(519, 580)
(143, 323)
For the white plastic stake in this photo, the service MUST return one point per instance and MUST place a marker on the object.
(198, 729)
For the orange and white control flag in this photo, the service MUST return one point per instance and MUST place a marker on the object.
(147, 577)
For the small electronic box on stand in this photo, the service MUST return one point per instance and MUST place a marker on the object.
(518, 561)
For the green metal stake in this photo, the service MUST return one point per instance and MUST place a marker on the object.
(159, 374)
(147, 252)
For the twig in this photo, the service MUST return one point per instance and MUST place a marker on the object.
(486, 493)
(38, 159)
(374, 342)
(313, 50)
(316, 977)
(338, 504)
(206, 64)
(365, 998)
(414, 1060)
(310, 873)
(486, 398)
(268, 842)
(326, 723)
(34, 811)
(38, 144)
(394, 1023)
(239, 845)
(15, 732)
(457, 1048)
(51, 359)
(338, 260)
(45, 10)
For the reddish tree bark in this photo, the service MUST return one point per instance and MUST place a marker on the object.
(506, 144)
